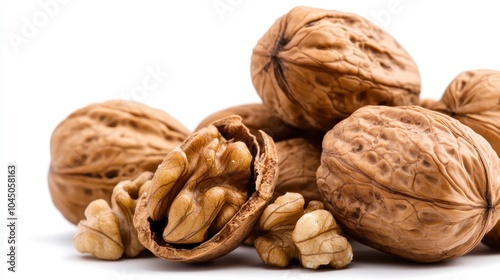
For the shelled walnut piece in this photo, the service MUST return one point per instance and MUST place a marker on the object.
(208, 193)
(410, 182)
(102, 144)
(108, 232)
(315, 67)
(310, 236)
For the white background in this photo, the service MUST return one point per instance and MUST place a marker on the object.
(81, 52)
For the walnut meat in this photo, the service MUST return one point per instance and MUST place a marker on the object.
(410, 181)
(108, 232)
(310, 236)
(208, 193)
(102, 144)
(473, 98)
(315, 67)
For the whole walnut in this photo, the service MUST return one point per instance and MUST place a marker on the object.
(473, 98)
(102, 144)
(410, 181)
(315, 67)
(257, 117)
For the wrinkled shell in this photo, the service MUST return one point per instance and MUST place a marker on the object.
(473, 98)
(102, 144)
(298, 161)
(410, 182)
(315, 67)
(232, 234)
(257, 117)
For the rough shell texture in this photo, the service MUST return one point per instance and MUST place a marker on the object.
(315, 67)
(102, 144)
(298, 161)
(410, 181)
(232, 234)
(257, 117)
(473, 98)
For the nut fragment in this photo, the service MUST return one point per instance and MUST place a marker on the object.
(314, 67)
(102, 144)
(473, 98)
(99, 234)
(411, 182)
(309, 235)
(108, 233)
(208, 193)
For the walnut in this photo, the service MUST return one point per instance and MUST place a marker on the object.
(473, 98)
(492, 238)
(102, 144)
(258, 117)
(311, 235)
(298, 160)
(315, 67)
(108, 232)
(410, 181)
(208, 193)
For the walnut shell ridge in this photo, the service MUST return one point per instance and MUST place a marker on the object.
(102, 144)
(315, 67)
(410, 181)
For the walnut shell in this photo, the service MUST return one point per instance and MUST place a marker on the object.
(473, 98)
(102, 144)
(199, 166)
(315, 67)
(410, 181)
(259, 117)
(298, 161)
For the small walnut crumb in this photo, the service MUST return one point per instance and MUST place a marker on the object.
(310, 236)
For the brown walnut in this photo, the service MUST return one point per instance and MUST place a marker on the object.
(315, 67)
(208, 193)
(108, 232)
(257, 117)
(410, 181)
(473, 98)
(102, 144)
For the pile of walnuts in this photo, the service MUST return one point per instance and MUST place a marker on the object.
(341, 148)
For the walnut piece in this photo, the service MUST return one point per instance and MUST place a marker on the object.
(208, 193)
(315, 67)
(102, 144)
(311, 235)
(473, 98)
(108, 232)
(410, 181)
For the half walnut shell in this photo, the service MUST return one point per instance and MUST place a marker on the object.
(208, 193)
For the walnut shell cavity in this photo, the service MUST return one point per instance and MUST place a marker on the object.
(184, 182)
(102, 144)
(410, 181)
(315, 67)
(259, 117)
(473, 98)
